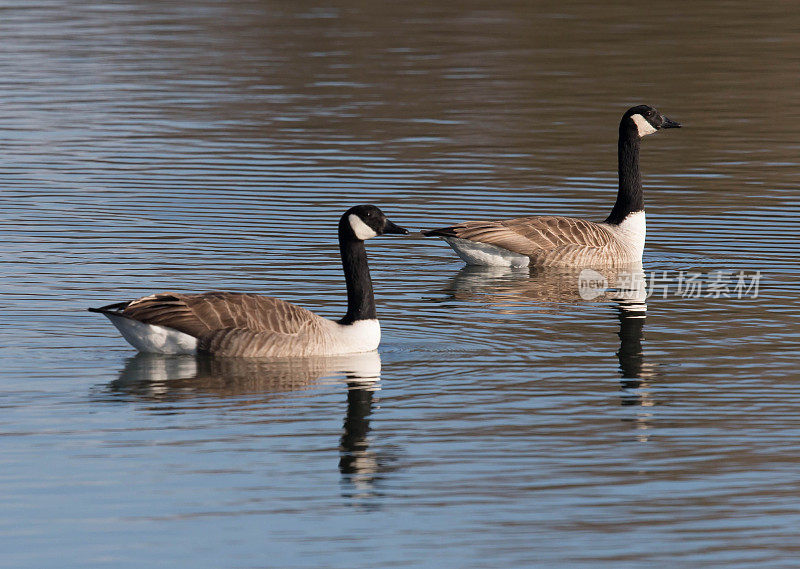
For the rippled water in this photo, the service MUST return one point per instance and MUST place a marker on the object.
(506, 421)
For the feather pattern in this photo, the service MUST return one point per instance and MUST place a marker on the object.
(241, 324)
(550, 240)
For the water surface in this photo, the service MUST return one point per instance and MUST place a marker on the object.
(195, 146)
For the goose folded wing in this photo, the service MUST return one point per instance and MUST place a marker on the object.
(200, 314)
(526, 235)
(241, 342)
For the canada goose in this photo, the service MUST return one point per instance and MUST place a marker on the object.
(550, 241)
(250, 325)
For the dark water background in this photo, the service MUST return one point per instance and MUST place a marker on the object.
(203, 145)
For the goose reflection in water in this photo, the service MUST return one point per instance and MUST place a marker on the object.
(504, 288)
(155, 377)
(636, 373)
(510, 286)
(624, 289)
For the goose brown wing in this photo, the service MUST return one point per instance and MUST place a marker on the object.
(530, 235)
(247, 342)
(201, 314)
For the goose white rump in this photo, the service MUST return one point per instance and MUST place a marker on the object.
(153, 339)
(477, 253)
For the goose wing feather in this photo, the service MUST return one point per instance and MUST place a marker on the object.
(245, 342)
(532, 235)
(201, 314)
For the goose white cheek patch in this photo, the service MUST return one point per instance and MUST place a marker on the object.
(361, 229)
(642, 125)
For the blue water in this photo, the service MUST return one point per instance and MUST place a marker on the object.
(196, 146)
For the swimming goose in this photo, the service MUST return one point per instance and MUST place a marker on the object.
(250, 325)
(551, 241)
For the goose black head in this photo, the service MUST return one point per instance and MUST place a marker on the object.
(366, 221)
(645, 120)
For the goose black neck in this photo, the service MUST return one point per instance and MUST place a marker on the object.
(360, 299)
(354, 442)
(629, 197)
(630, 354)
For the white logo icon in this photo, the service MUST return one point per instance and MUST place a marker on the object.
(591, 284)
